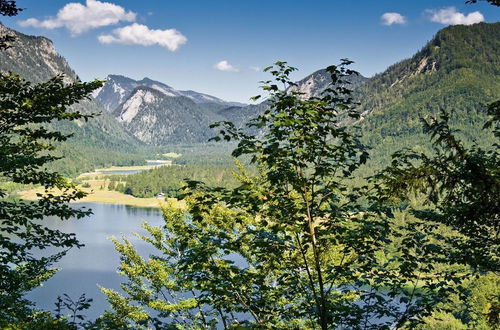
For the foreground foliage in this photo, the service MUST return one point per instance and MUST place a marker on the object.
(25, 149)
(460, 184)
(291, 246)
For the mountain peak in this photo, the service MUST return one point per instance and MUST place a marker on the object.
(118, 88)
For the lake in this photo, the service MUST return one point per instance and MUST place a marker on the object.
(82, 270)
(149, 163)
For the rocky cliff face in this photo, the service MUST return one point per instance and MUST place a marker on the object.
(315, 84)
(36, 60)
(159, 119)
(118, 88)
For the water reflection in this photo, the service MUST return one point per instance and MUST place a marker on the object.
(96, 263)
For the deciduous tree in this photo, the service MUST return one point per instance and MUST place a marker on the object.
(292, 247)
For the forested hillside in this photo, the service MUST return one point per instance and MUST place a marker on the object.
(98, 142)
(457, 71)
(170, 179)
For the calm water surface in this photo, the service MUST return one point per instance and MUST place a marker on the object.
(149, 162)
(82, 270)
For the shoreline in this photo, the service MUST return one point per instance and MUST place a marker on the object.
(138, 168)
(101, 196)
(96, 185)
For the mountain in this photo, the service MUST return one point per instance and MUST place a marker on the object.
(157, 114)
(118, 88)
(316, 83)
(159, 119)
(458, 71)
(97, 142)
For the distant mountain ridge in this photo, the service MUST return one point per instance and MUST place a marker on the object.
(458, 70)
(118, 88)
(157, 114)
(316, 83)
(159, 119)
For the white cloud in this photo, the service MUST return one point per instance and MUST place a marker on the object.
(225, 66)
(392, 18)
(138, 34)
(451, 16)
(255, 68)
(78, 18)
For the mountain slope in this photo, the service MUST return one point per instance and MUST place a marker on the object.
(458, 71)
(317, 82)
(118, 88)
(158, 119)
(96, 142)
(158, 114)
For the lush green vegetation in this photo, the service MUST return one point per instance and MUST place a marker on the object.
(218, 154)
(170, 179)
(456, 72)
(300, 240)
(295, 245)
(24, 151)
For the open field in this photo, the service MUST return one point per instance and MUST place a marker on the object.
(172, 155)
(97, 192)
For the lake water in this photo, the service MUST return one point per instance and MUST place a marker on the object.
(82, 270)
(124, 172)
(149, 162)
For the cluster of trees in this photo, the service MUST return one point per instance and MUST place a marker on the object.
(170, 179)
(25, 149)
(294, 244)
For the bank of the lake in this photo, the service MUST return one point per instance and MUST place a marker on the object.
(151, 164)
(95, 184)
(98, 193)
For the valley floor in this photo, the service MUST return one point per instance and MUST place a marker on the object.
(98, 192)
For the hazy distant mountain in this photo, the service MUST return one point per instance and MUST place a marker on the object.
(316, 83)
(158, 114)
(118, 88)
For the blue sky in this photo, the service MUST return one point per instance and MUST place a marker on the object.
(217, 47)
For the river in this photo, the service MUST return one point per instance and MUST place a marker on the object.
(82, 270)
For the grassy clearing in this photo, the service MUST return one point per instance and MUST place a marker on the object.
(172, 155)
(98, 192)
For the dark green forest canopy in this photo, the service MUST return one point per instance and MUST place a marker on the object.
(457, 71)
